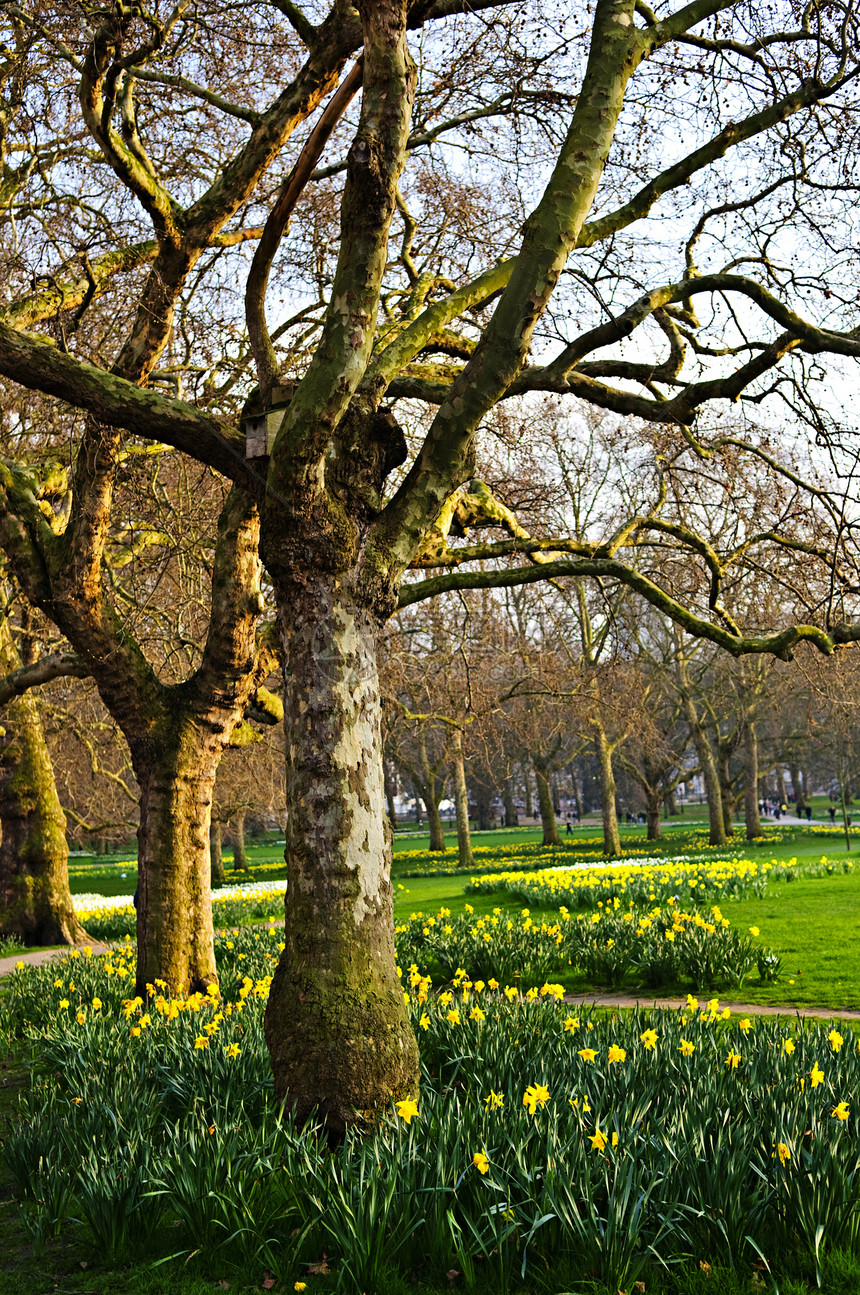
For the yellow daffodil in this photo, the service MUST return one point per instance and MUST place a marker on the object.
(835, 1040)
(454, 1016)
(616, 1054)
(495, 1101)
(407, 1109)
(687, 1048)
(745, 1024)
(649, 1039)
(480, 1161)
(788, 1046)
(598, 1140)
(732, 1059)
(534, 1096)
(424, 1021)
(840, 1111)
(587, 1054)
(201, 1042)
(783, 1152)
(816, 1076)
(232, 1050)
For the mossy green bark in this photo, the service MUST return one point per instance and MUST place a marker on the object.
(35, 901)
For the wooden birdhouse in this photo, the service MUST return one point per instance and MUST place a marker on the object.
(263, 425)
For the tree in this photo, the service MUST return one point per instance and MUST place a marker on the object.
(571, 279)
(35, 901)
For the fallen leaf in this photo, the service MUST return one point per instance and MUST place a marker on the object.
(223, 1285)
(638, 1288)
(320, 1269)
(452, 1275)
(84, 1264)
(267, 1282)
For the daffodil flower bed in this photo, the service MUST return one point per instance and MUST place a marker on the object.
(541, 1141)
(696, 881)
(654, 947)
(114, 919)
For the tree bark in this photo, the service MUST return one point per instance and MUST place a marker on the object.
(389, 798)
(726, 796)
(174, 906)
(547, 814)
(216, 869)
(240, 858)
(797, 788)
(511, 816)
(652, 817)
(35, 901)
(751, 814)
(461, 801)
(336, 1024)
(608, 790)
(705, 756)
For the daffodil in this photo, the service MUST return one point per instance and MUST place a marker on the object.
(480, 1161)
(816, 1076)
(587, 1054)
(407, 1109)
(835, 1040)
(732, 1059)
(687, 1048)
(598, 1140)
(649, 1039)
(534, 1096)
(788, 1046)
(616, 1054)
(840, 1111)
(783, 1152)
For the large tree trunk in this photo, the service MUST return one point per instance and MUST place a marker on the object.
(608, 790)
(751, 814)
(461, 801)
(174, 907)
(547, 813)
(336, 1024)
(35, 902)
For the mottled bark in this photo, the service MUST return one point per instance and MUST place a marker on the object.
(751, 814)
(547, 813)
(461, 801)
(336, 1024)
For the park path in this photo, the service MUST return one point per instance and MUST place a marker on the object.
(39, 959)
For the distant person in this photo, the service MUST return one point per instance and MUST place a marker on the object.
(833, 813)
(809, 813)
(568, 828)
